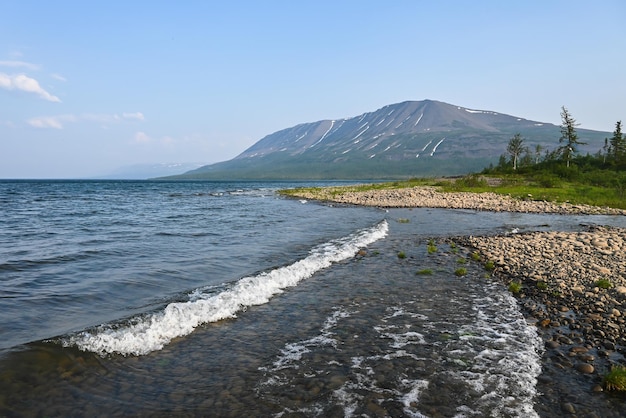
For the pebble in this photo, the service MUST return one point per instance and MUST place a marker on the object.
(585, 368)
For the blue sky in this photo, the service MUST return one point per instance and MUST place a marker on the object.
(88, 87)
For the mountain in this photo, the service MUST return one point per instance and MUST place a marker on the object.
(413, 138)
(146, 171)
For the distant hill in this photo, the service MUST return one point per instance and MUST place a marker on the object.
(414, 138)
(146, 171)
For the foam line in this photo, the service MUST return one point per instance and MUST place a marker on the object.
(152, 332)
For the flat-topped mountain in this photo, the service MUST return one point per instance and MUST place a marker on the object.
(414, 138)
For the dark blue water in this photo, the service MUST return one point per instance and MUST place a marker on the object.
(225, 299)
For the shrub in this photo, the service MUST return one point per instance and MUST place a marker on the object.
(461, 271)
(616, 379)
(475, 256)
(541, 285)
(490, 265)
(548, 181)
(604, 283)
(461, 261)
(515, 287)
(401, 255)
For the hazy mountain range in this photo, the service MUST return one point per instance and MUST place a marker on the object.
(413, 138)
(146, 171)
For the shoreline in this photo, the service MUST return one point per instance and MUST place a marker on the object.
(430, 197)
(562, 276)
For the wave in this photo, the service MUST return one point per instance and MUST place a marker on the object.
(152, 332)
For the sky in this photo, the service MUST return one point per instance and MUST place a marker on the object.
(89, 87)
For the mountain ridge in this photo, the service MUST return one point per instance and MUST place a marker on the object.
(411, 138)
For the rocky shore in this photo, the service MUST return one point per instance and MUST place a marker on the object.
(430, 197)
(571, 284)
(574, 286)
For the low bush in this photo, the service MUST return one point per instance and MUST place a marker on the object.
(515, 287)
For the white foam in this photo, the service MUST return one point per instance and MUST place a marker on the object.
(293, 352)
(411, 398)
(502, 355)
(152, 332)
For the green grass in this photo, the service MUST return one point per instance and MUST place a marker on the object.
(403, 221)
(424, 272)
(461, 271)
(490, 265)
(401, 255)
(615, 380)
(475, 256)
(461, 261)
(541, 285)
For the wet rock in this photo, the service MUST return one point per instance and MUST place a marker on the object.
(568, 408)
(585, 368)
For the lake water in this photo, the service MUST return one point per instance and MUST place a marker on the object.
(224, 299)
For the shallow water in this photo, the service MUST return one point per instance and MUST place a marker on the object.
(360, 335)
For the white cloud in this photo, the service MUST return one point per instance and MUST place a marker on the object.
(136, 115)
(59, 121)
(142, 138)
(24, 83)
(19, 64)
(55, 122)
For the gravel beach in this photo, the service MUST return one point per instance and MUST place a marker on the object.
(430, 197)
(572, 285)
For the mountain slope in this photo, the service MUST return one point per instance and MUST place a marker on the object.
(400, 140)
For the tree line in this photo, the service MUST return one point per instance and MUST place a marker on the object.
(520, 156)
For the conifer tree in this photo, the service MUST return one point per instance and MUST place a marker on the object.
(618, 144)
(569, 136)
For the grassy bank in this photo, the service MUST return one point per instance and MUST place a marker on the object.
(517, 186)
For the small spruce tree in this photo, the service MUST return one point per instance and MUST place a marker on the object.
(618, 145)
(568, 136)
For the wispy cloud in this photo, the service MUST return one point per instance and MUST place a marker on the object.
(24, 83)
(143, 138)
(19, 64)
(56, 122)
(136, 115)
(59, 121)
(58, 77)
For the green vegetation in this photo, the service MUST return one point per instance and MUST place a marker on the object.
(424, 272)
(515, 287)
(432, 248)
(562, 175)
(541, 285)
(401, 255)
(604, 283)
(403, 221)
(461, 261)
(616, 379)
(461, 271)
(490, 265)
(475, 256)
